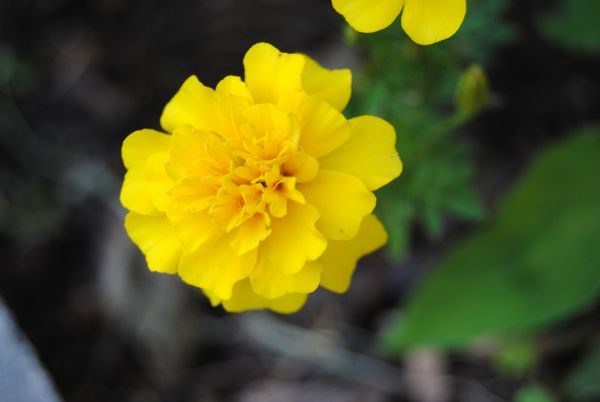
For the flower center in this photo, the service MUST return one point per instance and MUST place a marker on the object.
(248, 177)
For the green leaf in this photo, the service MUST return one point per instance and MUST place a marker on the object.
(397, 216)
(535, 263)
(584, 382)
(574, 25)
(533, 393)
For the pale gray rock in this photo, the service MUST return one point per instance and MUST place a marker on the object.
(22, 378)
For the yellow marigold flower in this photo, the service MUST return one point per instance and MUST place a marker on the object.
(262, 190)
(425, 21)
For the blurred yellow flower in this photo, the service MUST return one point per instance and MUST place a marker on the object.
(425, 21)
(262, 191)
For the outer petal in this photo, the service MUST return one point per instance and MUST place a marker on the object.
(214, 300)
(158, 181)
(244, 299)
(139, 145)
(267, 281)
(145, 190)
(333, 86)
(294, 239)
(323, 128)
(342, 201)
(155, 236)
(233, 85)
(193, 104)
(136, 194)
(340, 258)
(270, 73)
(215, 267)
(430, 21)
(370, 153)
(369, 15)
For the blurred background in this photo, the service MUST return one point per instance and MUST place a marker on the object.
(487, 292)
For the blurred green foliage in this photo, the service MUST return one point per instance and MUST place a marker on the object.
(534, 393)
(535, 263)
(584, 383)
(574, 25)
(414, 87)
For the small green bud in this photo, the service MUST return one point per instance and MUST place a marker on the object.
(472, 91)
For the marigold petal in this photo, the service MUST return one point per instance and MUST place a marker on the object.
(144, 190)
(214, 300)
(369, 15)
(244, 299)
(194, 194)
(188, 146)
(214, 266)
(139, 145)
(193, 104)
(234, 100)
(340, 258)
(302, 166)
(233, 85)
(370, 153)
(156, 237)
(268, 119)
(267, 281)
(270, 73)
(323, 128)
(136, 195)
(342, 201)
(294, 239)
(333, 86)
(249, 234)
(306, 280)
(193, 228)
(157, 181)
(430, 21)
